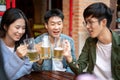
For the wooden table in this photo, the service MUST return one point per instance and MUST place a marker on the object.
(49, 75)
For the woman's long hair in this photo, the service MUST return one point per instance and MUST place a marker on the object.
(10, 16)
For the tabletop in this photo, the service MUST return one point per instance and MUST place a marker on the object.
(49, 75)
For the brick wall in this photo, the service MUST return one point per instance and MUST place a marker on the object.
(77, 18)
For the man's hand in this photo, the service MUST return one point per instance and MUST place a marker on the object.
(67, 51)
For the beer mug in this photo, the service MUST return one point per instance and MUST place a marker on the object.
(31, 51)
(45, 48)
(58, 49)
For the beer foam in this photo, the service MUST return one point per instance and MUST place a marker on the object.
(58, 48)
(32, 50)
(45, 46)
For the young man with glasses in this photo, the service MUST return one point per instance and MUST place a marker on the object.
(101, 52)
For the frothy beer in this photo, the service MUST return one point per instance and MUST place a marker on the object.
(58, 53)
(45, 52)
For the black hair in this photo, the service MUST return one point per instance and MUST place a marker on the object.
(10, 16)
(53, 12)
(100, 11)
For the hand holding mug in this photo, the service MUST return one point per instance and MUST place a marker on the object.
(67, 51)
(21, 51)
(31, 50)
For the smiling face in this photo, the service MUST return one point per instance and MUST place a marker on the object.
(95, 27)
(16, 30)
(54, 26)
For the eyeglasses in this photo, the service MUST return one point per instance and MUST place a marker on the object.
(89, 23)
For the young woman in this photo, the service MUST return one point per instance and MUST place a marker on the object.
(13, 29)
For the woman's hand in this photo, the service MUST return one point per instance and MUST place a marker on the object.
(21, 51)
(67, 51)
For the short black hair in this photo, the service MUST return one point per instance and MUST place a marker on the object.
(53, 12)
(100, 11)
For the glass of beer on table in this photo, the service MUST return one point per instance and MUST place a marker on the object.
(45, 48)
(31, 51)
(58, 49)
